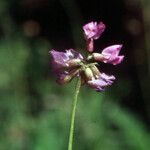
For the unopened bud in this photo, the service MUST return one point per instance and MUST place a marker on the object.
(97, 56)
(95, 71)
(100, 57)
(88, 74)
(73, 62)
(64, 79)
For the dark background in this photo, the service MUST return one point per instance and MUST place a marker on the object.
(35, 111)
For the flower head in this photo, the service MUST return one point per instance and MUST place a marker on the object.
(93, 30)
(70, 64)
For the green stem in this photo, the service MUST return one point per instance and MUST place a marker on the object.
(73, 114)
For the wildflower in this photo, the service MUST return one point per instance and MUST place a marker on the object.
(93, 30)
(100, 83)
(69, 58)
(112, 52)
(65, 64)
(109, 55)
(71, 63)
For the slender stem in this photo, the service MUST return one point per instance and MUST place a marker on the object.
(73, 114)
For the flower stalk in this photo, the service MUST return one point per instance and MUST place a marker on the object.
(71, 134)
(70, 64)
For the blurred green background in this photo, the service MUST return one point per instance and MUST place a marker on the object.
(35, 111)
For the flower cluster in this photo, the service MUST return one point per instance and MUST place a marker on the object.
(71, 63)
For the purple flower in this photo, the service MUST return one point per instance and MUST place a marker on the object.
(70, 63)
(112, 52)
(70, 58)
(109, 55)
(100, 83)
(65, 64)
(93, 30)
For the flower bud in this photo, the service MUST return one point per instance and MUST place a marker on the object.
(68, 76)
(73, 62)
(95, 71)
(99, 57)
(88, 73)
(64, 79)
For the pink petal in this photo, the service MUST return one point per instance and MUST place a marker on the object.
(60, 59)
(102, 82)
(93, 30)
(112, 50)
(117, 60)
(111, 54)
